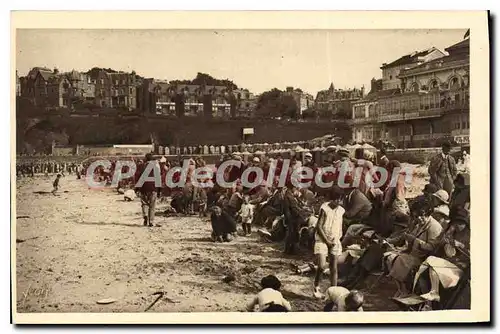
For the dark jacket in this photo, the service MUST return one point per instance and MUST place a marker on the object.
(147, 186)
(357, 206)
(223, 224)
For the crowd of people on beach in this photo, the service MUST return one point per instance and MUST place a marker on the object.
(422, 243)
(47, 167)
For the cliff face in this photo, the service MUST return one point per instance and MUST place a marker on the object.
(38, 133)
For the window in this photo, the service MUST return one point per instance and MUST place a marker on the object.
(390, 77)
(433, 85)
(454, 83)
(102, 81)
(247, 105)
(131, 90)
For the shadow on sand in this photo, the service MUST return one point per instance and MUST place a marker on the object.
(112, 223)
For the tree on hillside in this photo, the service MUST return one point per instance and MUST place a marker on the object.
(275, 103)
(289, 107)
(206, 80)
(95, 70)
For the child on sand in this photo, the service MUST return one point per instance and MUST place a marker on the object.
(339, 299)
(246, 215)
(56, 184)
(327, 238)
(270, 299)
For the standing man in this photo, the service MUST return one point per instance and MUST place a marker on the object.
(147, 192)
(443, 169)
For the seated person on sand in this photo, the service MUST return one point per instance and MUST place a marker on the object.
(223, 225)
(419, 242)
(235, 201)
(269, 299)
(395, 204)
(429, 190)
(340, 299)
(358, 209)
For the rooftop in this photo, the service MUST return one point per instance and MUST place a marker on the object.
(410, 58)
(462, 44)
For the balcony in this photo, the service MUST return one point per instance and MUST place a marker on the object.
(428, 136)
(409, 115)
(433, 66)
(363, 120)
(455, 105)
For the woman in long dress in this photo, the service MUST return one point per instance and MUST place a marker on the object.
(419, 242)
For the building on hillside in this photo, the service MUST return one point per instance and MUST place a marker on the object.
(337, 102)
(83, 87)
(245, 103)
(146, 97)
(34, 85)
(52, 89)
(390, 72)
(193, 100)
(115, 90)
(303, 100)
(123, 90)
(365, 127)
(433, 103)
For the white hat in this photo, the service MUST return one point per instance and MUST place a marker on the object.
(442, 195)
(163, 159)
(308, 155)
(256, 159)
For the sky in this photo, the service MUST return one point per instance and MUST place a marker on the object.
(258, 60)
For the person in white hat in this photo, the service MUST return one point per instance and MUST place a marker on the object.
(441, 209)
(308, 160)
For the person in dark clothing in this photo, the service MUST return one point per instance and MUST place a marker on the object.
(429, 189)
(443, 169)
(147, 192)
(223, 225)
(358, 211)
(460, 198)
(56, 184)
(293, 219)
